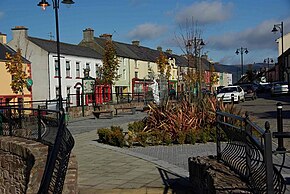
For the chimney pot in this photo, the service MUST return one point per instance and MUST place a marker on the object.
(106, 36)
(136, 42)
(88, 35)
(3, 38)
(169, 51)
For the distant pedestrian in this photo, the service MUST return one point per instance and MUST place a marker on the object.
(172, 93)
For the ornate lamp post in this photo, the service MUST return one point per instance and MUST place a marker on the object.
(242, 51)
(268, 61)
(44, 4)
(274, 30)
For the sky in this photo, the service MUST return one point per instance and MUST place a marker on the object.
(224, 25)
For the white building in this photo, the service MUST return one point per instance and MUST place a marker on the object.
(45, 72)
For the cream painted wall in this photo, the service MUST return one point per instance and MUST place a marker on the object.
(286, 43)
(39, 62)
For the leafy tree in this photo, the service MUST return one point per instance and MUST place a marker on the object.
(14, 66)
(214, 78)
(110, 64)
(190, 77)
(163, 66)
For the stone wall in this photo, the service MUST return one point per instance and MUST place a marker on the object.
(22, 164)
(207, 175)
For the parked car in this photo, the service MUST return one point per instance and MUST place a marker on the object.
(219, 89)
(231, 94)
(250, 91)
(279, 88)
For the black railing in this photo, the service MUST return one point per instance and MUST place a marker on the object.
(57, 164)
(48, 127)
(30, 123)
(248, 152)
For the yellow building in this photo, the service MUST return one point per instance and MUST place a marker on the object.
(7, 96)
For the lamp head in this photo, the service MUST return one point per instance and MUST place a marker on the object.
(246, 51)
(68, 2)
(265, 60)
(274, 30)
(272, 61)
(237, 51)
(43, 4)
(201, 43)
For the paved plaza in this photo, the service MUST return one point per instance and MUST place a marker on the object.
(108, 169)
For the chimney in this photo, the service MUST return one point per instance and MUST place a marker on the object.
(3, 38)
(19, 33)
(169, 51)
(136, 42)
(88, 35)
(159, 48)
(204, 56)
(106, 36)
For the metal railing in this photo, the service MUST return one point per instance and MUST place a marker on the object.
(248, 152)
(57, 164)
(48, 127)
(30, 123)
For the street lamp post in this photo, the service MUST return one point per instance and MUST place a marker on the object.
(268, 61)
(43, 4)
(197, 43)
(274, 30)
(242, 51)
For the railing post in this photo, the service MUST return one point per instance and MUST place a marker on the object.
(1, 120)
(19, 117)
(218, 135)
(38, 124)
(247, 148)
(280, 127)
(10, 121)
(268, 158)
(46, 104)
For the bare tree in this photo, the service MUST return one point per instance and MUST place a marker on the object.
(190, 42)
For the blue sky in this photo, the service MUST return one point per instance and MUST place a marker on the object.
(225, 25)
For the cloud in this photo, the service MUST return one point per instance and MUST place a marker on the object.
(147, 32)
(258, 37)
(205, 13)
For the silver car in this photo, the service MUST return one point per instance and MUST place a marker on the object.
(279, 88)
(231, 94)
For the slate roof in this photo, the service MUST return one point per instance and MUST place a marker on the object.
(139, 52)
(6, 49)
(67, 49)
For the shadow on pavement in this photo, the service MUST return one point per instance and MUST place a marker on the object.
(284, 99)
(174, 183)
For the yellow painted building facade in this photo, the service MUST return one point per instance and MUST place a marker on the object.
(7, 96)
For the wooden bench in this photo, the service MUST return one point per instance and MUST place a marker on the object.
(97, 113)
(133, 109)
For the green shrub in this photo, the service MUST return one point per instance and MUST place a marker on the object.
(141, 138)
(204, 136)
(155, 137)
(190, 137)
(181, 135)
(136, 126)
(113, 136)
(104, 134)
(116, 136)
(167, 139)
